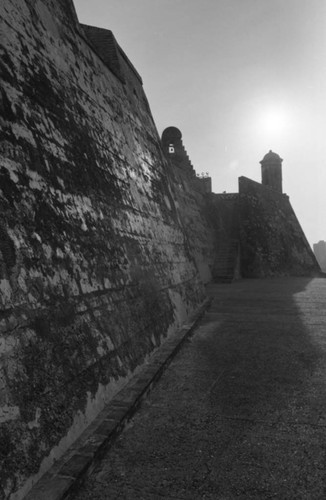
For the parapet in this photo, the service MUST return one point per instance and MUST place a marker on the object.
(107, 48)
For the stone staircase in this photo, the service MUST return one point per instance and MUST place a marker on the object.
(225, 267)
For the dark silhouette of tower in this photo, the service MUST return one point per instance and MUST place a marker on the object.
(174, 149)
(177, 155)
(271, 171)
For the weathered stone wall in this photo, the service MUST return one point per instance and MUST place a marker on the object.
(222, 210)
(95, 267)
(320, 254)
(190, 195)
(104, 244)
(191, 204)
(271, 239)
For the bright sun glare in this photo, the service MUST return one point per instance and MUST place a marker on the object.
(274, 120)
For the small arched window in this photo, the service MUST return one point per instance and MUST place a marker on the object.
(171, 148)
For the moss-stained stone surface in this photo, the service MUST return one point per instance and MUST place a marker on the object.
(190, 203)
(271, 238)
(104, 243)
(95, 267)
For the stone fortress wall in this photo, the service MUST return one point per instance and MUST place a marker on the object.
(106, 240)
(320, 253)
(271, 239)
(96, 269)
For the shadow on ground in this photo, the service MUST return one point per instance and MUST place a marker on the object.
(241, 411)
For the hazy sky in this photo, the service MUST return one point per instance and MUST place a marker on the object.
(238, 77)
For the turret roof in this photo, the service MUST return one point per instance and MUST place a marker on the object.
(272, 157)
(171, 133)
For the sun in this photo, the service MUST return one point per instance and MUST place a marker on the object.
(274, 120)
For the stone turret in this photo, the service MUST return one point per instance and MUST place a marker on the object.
(176, 153)
(174, 149)
(271, 171)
